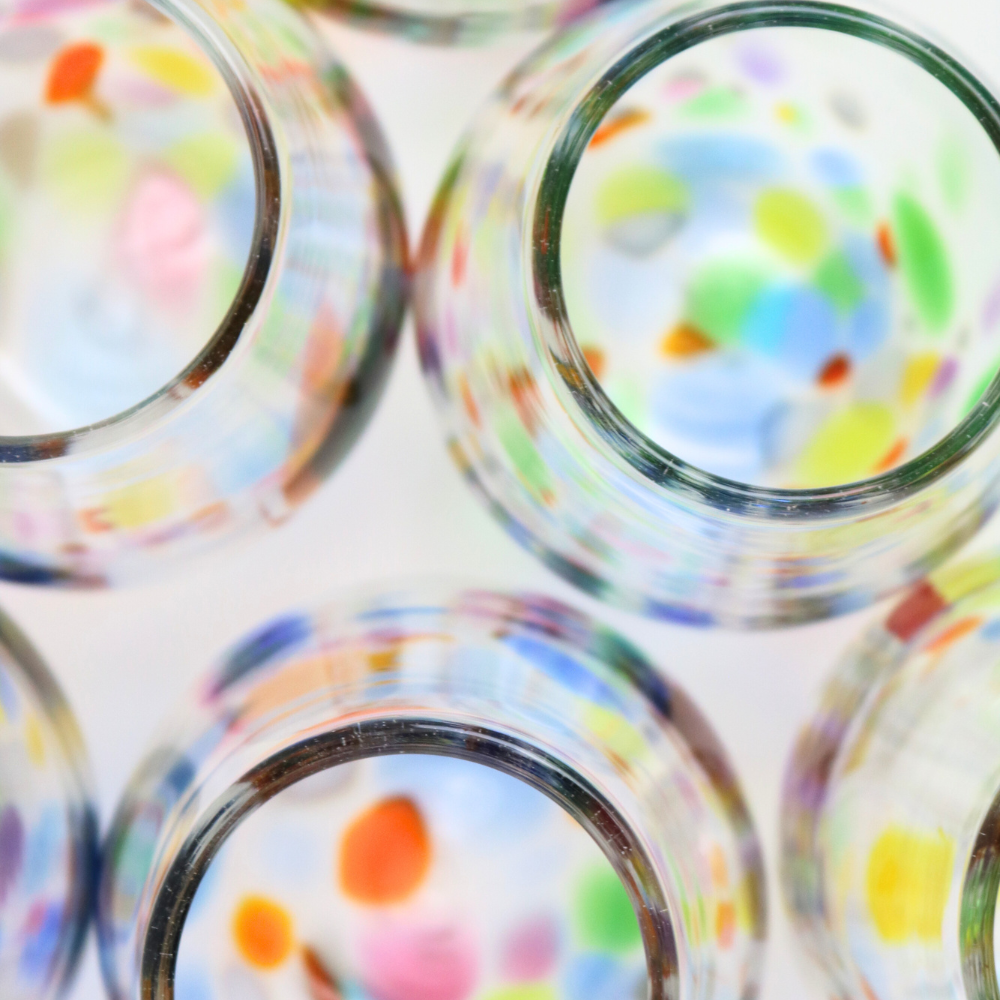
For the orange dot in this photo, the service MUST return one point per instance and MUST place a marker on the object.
(835, 372)
(73, 72)
(385, 853)
(594, 357)
(891, 458)
(886, 244)
(685, 341)
(621, 123)
(263, 932)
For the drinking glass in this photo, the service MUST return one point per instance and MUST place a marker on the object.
(202, 277)
(439, 797)
(452, 22)
(708, 301)
(48, 828)
(891, 810)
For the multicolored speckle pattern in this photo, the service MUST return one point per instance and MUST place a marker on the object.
(428, 864)
(888, 789)
(775, 270)
(48, 851)
(373, 877)
(127, 204)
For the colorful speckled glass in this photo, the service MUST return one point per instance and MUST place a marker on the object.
(777, 270)
(48, 830)
(709, 302)
(451, 22)
(891, 812)
(471, 797)
(202, 277)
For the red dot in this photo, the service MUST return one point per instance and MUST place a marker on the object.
(835, 372)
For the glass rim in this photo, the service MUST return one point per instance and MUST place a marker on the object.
(395, 734)
(78, 799)
(470, 27)
(686, 27)
(268, 224)
(412, 728)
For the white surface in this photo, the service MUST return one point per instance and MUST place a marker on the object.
(398, 508)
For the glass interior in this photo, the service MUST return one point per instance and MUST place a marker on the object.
(411, 877)
(781, 257)
(127, 202)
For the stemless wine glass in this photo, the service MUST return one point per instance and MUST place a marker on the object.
(48, 828)
(443, 798)
(891, 812)
(708, 301)
(202, 277)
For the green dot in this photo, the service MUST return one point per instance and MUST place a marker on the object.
(791, 224)
(855, 204)
(605, 918)
(86, 169)
(981, 386)
(639, 190)
(923, 261)
(848, 446)
(838, 281)
(525, 991)
(720, 298)
(716, 102)
(207, 162)
(522, 451)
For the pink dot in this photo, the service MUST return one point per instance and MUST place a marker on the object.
(531, 950)
(163, 239)
(404, 962)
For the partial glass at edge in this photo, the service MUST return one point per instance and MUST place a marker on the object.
(204, 270)
(740, 261)
(48, 828)
(472, 797)
(890, 836)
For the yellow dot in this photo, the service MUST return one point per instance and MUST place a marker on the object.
(34, 740)
(917, 376)
(907, 884)
(791, 224)
(175, 69)
(848, 446)
(263, 932)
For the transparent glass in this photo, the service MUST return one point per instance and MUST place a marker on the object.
(453, 22)
(203, 267)
(444, 798)
(707, 300)
(48, 828)
(890, 829)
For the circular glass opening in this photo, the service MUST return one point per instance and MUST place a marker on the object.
(781, 257)
(411, 877)
(127, 202)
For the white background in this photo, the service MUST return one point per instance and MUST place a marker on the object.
(398, 509)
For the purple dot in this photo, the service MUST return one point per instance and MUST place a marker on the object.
(11, 849)
(761, 65)
(532, 949)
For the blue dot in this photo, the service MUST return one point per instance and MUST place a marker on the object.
(836, 169)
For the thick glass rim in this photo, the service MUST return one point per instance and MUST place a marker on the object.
(84, 847)
(392, 735)
(409, 727)
(469, 28)
(690, 25)
(268, 223)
